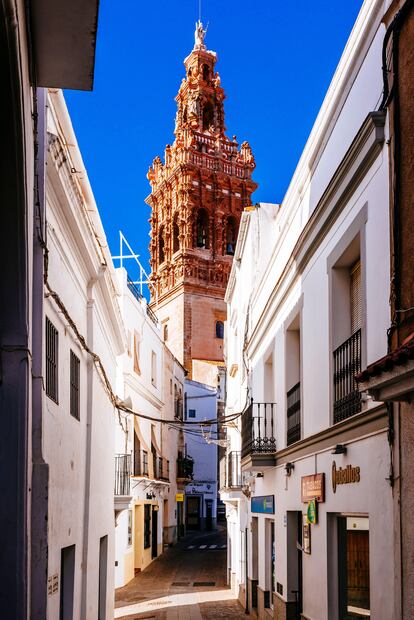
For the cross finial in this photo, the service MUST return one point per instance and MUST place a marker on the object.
(199, 35)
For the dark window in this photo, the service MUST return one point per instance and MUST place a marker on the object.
(208, 116)
(219, 329)
(147, 526)
(176, 236)
(74, 385)
(52, 340)
(202, 229)
(206, 73)
(191, 413)
(161, 243)
(231, 236)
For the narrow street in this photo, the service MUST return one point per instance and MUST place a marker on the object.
(188, 582)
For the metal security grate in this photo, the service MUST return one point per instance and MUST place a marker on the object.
(258, 432)
(347, 363)
(74, 386)
(205, 584)
(293, 414)
(122, 474)
(52, 337)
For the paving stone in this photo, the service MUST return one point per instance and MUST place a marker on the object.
(165, 590)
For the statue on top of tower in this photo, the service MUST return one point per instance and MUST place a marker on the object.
(199, 35)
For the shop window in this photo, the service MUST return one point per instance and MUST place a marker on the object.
(220, 330)
(147, 526)
(202, 229)
(129, 539)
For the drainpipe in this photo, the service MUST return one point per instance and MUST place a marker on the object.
(88, 445)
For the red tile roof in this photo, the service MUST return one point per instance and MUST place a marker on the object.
(398, 357)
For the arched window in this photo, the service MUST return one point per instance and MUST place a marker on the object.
(176, 235)
(206, 73)
(231, 236)
(202, 229)
(161, 244)
(220, 330)
(208, 115)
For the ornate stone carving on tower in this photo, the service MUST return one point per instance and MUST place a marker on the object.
(197, 196)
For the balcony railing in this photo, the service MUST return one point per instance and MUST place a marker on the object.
(185, 467)
(122, 474)
(233, 470)
(134, 289)
(347, 364)
(258, 433)
(293, 414)
(141, 463)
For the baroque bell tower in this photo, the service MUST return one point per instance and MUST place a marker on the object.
(197, 196)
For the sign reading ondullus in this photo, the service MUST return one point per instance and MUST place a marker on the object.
(344, 475)
(264, 504)
(313, 487)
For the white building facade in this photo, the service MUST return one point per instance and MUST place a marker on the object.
(81, 317)
(309, 467)
(150, 382)
(201, 492)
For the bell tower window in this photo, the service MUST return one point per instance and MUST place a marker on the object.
(231, 236)
(206, 73)
(202, 229)
(176, 236)
(161, 246)
(208, 116)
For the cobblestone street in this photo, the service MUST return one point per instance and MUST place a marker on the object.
(187, 583)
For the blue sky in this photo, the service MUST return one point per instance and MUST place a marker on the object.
(276, 60)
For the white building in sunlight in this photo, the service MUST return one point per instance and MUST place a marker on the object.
(78, 420)
(148, 453)
(306, 482)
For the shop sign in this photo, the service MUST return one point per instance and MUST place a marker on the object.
(264, 504)
(344, 475)
(312, 512)
(306, 535)
(313, 487)
(179, 497)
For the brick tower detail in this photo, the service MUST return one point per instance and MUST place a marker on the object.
(197, 196)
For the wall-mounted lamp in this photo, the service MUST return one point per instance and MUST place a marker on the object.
(339, 449)
(289, 467)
